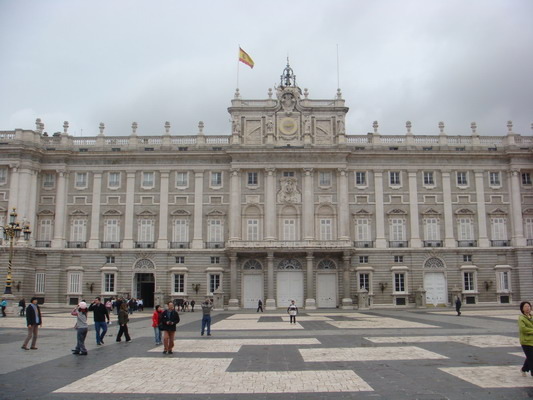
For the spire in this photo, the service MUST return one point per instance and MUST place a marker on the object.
(288, 79)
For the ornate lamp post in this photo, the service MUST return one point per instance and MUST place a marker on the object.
(11, 232)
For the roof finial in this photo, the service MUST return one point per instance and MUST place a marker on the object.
(288, 78)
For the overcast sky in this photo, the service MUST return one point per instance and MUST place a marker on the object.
(119, 61)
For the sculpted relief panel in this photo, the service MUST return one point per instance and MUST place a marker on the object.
(289, 193)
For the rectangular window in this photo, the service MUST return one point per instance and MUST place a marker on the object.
(215, 260)
(398, 259)
(431, 229)
(360, 178)
(216, 178)
(364, 281)
(148, 180)
(468, 281)
(253, 179)
(394, 177)
(113, 180)
(110, 259)
(252, 229)
(179, 283)
(81, 180)
(45, 229)
(498, 228)
(3, 176)
(109, 283)
(40, 282)
(397, 229)
(74, 282)
(526, 178)
(326, 231)
(503, 281)
(399, 282)
(363, 259)
(146, 230)
(324, 178)
(49, 180)
(214, 282)
(362, 229)
(465, 229)
(494, 179)
(289, 229)
(528, 228)
(288, 174)
(182, 179)
(428, 179)
(215, 231)
(180, 260)
(111, 230)
(78, 231)
(467, 258)
(462, 178)
(181, 231)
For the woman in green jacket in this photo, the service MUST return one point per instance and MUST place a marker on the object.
(525, 327)
(123, 320)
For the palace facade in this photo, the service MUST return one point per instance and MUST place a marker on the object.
(286, 206)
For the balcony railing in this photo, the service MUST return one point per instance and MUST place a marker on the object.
(144, 245)
(499, 243)
(467, 243)
(214, 245)
(110, 245)
(76, 245)
(179, 245)
(363, 244)
(398, 243)
(432, 243)
(43, 243)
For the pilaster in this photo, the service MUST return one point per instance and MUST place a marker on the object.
(381, 243)
(516, 210)
(308, 221)
(197, 241)
(233, 303)
(347, 303)
(413, 211)
(127, 243)
(481, 211)
(270, 204)
(162, 241)
(94, 242)
(61, 198)
(449, 239)
(310, 302)
(270, 303)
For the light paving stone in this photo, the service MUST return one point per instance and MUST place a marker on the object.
(507, 376)
(55, 321)
(305, 318)
(246, 325)
(474, 340)
(209, 376)
(506, 314)
(368, 354)
(347, 315)
(378, 323)
(210, 345)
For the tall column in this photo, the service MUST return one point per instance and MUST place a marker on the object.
(347, 302)
(235, 205)
(310, 302)
(13, 189)
(270, 303)
(481, 212)
(308, 214)
(516, 210)
(449, 239)
(233, 303)
(413, 211)
(127, 243)
(61, 200)
(23, 200)
(381, 243)
(343, 219)
(197, 240)
(32, 217)
(270, 204)
(94, 242)
(162, 241)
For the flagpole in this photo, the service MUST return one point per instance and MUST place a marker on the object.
(338, 75)
(238, 62)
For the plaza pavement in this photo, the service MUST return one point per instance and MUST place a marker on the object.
(328, 354)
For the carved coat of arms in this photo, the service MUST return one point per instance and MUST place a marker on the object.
(289, 193)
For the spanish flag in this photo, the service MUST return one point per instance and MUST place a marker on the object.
(245, 58)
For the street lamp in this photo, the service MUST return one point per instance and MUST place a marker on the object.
(11, 232)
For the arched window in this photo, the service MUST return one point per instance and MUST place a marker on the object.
(326, 264)
(252, 264)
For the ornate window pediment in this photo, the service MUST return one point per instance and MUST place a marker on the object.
(216, 213)
(146, 213)
(434, 263)
(290, 264)
(498, 211)
(180, 213)
(431, 211)
(42, 213)
(528, 211)
(464, 211)
(79, 213)
(362, 213)
(397, 211)
(144, 263)
(112, 213)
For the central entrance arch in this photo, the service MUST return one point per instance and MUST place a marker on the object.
(290, 283)
(144, 281)
(435, 282)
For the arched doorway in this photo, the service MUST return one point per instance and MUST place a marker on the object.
(326, 284)
(252, 284)
(290, 283)
(144, 281)
(435, 282)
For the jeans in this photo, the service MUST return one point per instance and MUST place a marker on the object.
(206, 322)
(157, 334)
(81, 335)
(97, 327)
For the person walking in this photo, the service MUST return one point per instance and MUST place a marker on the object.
(80, 312)
(207, 306)
(525, 329)
(192, 305)
(34, 320)
(22, 306)
(260, 305)
(169, 319)
(123, 319)
(3, 304)
(100, 315)
(156, 320)
(458, 305)
(292, 310)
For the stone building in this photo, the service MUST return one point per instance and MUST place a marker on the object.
(286, 206)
